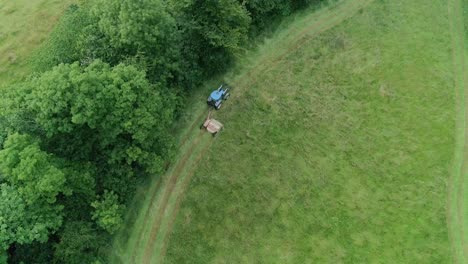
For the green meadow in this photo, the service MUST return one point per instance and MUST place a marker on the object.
(338, 152)
(344, 142)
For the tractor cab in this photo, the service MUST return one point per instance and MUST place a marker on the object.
(217, 97)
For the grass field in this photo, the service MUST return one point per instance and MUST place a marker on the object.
(339, 142)
(340, 152)
(338, 147)
(345, 142)
(24, 25)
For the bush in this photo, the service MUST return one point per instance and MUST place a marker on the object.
(213, 31)
(78, 244)
(63, 44)
(108, 212)
(143, 28)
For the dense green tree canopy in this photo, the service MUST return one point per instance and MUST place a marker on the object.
(137, 26)
(213, 31)
(140, 29)
(108, 212)
(263, 10)
(24, 165)
(29, 210)
(3, 257)
(222, 23)
(24, 223)
(102, 110)
(78, 243)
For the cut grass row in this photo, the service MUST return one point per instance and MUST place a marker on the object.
(156, 248)
(134, 237)
(458, 197)
(341, 153)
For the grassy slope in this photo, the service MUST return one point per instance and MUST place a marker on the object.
(339, 153)
(24, 24)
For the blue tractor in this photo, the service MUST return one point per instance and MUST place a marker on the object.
(217, 97)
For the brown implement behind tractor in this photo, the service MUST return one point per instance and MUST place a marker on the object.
(211, 125)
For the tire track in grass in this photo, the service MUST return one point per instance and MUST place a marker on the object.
(305, 37)
(456, 202)
(153, 192)
(197, 120)
(156, 249)
(168, 189)
(159, 203)
(324, 21)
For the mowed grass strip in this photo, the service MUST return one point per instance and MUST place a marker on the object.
(147, 227)
(339, 153)
(24, 25)
(456, 199)
(155, 250)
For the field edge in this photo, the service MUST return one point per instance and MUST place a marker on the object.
(456, 195)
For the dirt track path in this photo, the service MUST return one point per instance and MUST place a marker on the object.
(162, 198)
(456, 213)
(152, 235)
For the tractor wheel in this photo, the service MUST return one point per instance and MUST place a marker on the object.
(218, 107)
(227, 96)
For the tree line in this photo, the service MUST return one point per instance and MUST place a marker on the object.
(96, 115)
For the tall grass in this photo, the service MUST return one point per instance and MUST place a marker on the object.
(24, 25)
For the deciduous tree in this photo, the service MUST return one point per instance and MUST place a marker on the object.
(31, 182)
(108, 212)
(101, 112)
